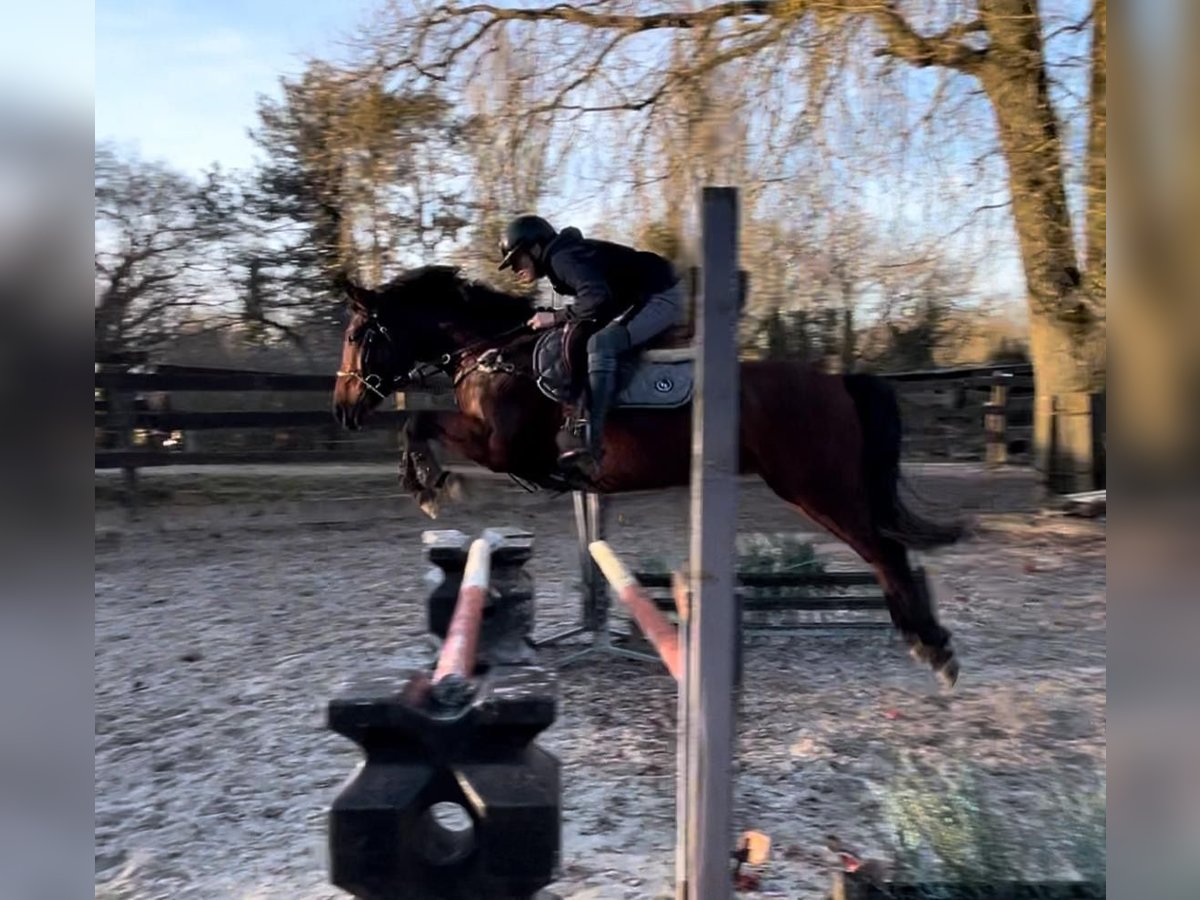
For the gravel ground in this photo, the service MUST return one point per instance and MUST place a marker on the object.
(239, 602)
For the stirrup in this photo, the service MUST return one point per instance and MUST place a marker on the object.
(573, 453)
(584, 459)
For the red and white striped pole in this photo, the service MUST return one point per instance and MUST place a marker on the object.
(456, 662)
(654, 625)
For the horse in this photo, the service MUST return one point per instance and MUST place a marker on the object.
(827, 444)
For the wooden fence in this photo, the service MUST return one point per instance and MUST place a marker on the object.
(149, 418)
(983, 413)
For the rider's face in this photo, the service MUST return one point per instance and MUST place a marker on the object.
(523, 268)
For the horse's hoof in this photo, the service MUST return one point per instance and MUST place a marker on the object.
(947, 674)
(428, 503)
(943, 662)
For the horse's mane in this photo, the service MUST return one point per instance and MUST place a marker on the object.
(441, 286)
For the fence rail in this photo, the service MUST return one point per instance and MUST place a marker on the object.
(949, 413)
(960, 373)
(179, 420)
(154, 459)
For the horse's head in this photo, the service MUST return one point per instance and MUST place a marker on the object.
(422, 316)
(376, 358)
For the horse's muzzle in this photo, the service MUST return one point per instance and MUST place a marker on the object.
(348, 415)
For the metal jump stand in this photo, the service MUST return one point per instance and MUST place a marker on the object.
(589, 527)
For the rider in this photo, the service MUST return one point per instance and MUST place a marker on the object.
(624, 297)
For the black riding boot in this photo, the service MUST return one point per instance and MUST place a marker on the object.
(602, 389)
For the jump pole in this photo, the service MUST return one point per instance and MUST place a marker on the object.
(456, 661)
(661, 634)
(672, 647)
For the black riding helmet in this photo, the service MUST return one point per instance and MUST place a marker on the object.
(521, 234)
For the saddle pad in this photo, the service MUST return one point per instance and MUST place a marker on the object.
(652, 383)
(643, 382)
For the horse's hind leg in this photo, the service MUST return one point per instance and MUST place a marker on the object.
(839, 504)
(929, 641)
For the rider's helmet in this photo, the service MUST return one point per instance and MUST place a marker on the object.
(525, 233)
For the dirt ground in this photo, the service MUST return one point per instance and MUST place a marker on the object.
(239, 602)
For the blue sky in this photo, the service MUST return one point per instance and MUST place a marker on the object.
(177, 81)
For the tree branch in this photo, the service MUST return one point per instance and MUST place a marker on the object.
(945, 49)
(470, 23)
(564, 12)
(556, 102)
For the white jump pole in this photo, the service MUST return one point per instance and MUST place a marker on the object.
(712, 642)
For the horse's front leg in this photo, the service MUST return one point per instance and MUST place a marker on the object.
(421, 473)
(410, 479)
(435, 482)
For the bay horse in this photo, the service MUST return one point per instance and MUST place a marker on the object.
(827, 444)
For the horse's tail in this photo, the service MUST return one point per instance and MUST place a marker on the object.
(879, 415)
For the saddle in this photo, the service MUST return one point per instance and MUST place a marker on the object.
(656, 375)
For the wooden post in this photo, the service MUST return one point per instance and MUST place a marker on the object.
(712, 616)
(1065, 445)
(995, 420)
(122, 420)
(589, 527)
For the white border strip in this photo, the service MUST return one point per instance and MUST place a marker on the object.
(479, 565)
(610, 564)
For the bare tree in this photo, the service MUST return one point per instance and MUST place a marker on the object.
(508, 151)
(793, 58)
(158, 255)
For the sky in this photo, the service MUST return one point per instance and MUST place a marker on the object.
(177, 80)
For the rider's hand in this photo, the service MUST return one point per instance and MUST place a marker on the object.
(541, 320)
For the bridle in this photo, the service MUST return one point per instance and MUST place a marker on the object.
(372, 326)
(365, 335)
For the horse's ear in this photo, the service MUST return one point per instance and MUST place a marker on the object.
(357, 295)
(363, 298)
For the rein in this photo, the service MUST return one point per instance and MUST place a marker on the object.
(475, 345)
(448, 361)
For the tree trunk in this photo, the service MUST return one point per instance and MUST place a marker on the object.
(1097, 159)
(1067, 340)
(1066, 385)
